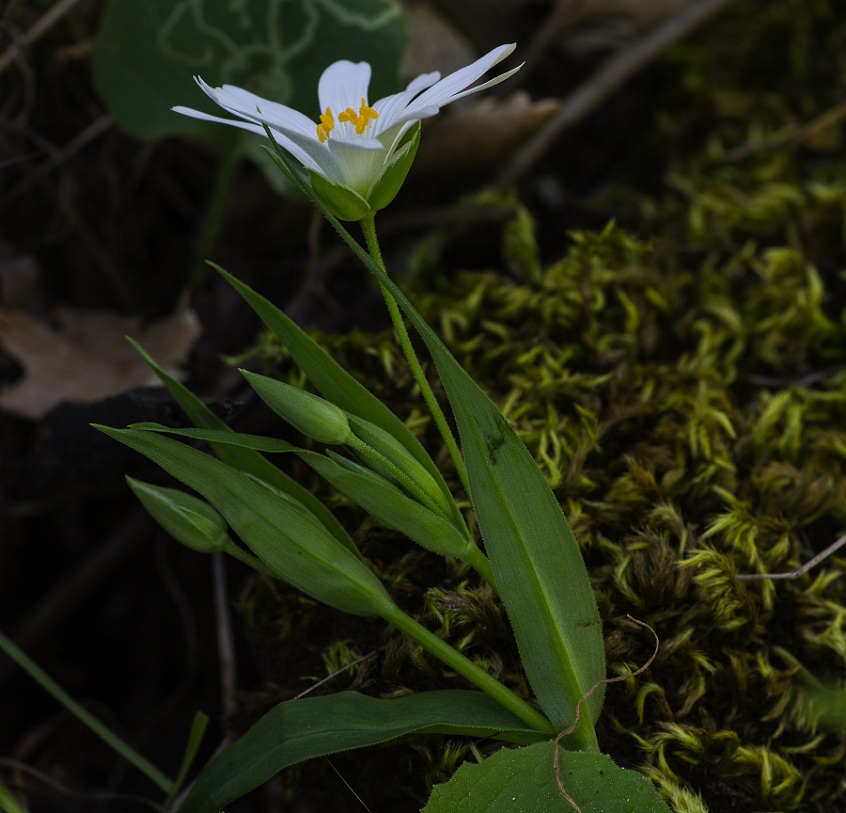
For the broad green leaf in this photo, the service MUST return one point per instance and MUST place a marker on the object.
(298, 730)
(524, 780)
(539, 570)
(147, 51)
(291, 541)
(330, 379)
(245, 457)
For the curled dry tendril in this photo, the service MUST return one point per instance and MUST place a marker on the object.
(569, 730)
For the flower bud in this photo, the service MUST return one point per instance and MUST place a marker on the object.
(186, 518)
(312, 415)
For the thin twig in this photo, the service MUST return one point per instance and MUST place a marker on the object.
(800, 571)
(15, 765)
(78, 583)
(613, 75)
(41, 27)
(226, 659)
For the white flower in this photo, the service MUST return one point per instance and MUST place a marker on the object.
(352, 143)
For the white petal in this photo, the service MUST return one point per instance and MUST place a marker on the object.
(196, 114)
(391, 108)
(360, 168)
(281, 138)
(343, 84)
(449, 87)
(286, 116)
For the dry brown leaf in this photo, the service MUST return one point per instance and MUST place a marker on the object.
(480, 135)
(83, 356)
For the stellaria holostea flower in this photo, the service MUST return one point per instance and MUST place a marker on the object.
(363, 150)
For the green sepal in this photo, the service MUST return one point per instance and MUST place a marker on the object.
(390, 507)
(186, 518)
(386, 188)
(312, 415)
(343, 202)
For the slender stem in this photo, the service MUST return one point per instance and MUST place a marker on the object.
(368, 226)
(466, 668)
(109, 737)
(481, 564)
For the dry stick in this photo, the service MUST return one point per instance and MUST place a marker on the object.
(613, 75)
(226, 658)
(800, 571)
(595, 686)
(78, 583)
(41, 27)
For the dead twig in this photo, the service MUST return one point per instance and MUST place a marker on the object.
(613, 75)
(41, 27)
(800, 571)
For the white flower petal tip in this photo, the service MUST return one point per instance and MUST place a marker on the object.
(352, 143)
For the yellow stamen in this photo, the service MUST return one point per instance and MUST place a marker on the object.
(360, 119)
(327, 124)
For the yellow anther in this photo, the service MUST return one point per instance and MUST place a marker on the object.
(360, 119)
(327, 124)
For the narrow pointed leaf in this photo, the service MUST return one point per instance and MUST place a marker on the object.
(246, 459)
(539, 570)
(291, 541)
(298, 730)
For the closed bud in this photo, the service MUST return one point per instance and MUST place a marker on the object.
(312, 415)
(186, 518)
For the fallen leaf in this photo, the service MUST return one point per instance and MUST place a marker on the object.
(82, 355)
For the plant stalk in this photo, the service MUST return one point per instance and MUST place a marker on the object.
(368, 226)
(466, 668)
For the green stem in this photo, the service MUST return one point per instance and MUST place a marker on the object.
(109, 737)
(368, 226)
(466, 668)
(481, 564)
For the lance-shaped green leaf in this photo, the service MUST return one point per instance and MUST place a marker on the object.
(331, 380)
(539, 570)
(298, 730)
(245, 458)
(294, 545)
(525, 780)
(391, 507)
(186, 518)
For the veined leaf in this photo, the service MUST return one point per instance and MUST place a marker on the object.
(524, 779)
(292, 542)
(246, 458)
(298, 730)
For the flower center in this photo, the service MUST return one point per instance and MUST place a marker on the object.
(360, 120)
